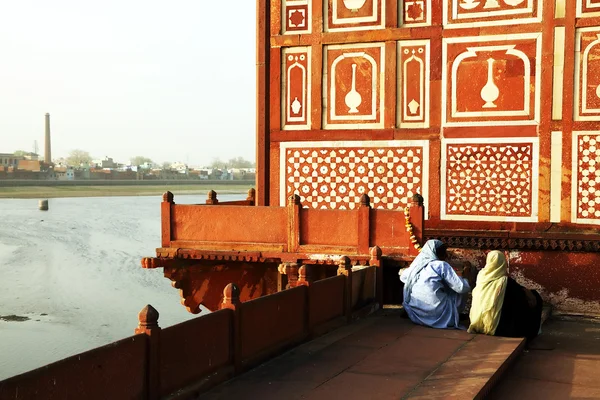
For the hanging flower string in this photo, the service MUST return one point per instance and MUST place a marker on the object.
(409, 229)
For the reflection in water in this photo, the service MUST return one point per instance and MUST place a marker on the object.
(74, 272)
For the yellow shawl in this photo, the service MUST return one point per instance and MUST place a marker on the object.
(488, 295)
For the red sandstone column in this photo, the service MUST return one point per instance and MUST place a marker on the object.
(293, 208)
(305, 279)
(345, 268)
(231, 300)
(148, 325)
(375, 260)
(165, 218)
(364, 212)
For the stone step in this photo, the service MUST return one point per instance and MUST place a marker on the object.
(472, 371)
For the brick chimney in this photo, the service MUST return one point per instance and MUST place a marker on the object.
(48, 150)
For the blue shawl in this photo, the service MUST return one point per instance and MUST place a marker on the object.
(426, 255)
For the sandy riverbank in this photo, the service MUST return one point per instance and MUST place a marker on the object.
(30, 192)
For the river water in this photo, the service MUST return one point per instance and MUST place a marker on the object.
(72, 275)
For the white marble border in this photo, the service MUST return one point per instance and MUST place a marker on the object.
(424, 144)
(560, 8)
(558, 73)
(534, 179)
(555, 176)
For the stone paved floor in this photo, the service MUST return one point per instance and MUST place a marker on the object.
(562, 363)
(380, 357)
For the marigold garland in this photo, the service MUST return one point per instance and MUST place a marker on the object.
(409, 229)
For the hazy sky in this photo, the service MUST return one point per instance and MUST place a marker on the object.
(170, 80)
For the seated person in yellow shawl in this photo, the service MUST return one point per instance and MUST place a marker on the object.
(501, 306)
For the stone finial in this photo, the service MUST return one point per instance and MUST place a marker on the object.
(231, 296)
(231, 291)
(168, 197)
(211, 198)
(416, 200)
(375, 252)
(365, 201)
(294, 199)
(302, 271)
(148, 317)
(304, 278)
(344, 261)
(251, 194)
(344, 265)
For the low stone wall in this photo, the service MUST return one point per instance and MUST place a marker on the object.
(114, 371)
(189, 358)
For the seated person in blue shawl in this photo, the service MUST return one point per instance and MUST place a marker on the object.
(433, 292)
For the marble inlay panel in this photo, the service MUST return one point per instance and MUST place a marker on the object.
(353, 86)
(586, 174)
(490, 179)
(296, 16)
(333, 175)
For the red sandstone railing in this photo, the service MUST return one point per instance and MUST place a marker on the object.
(189, 358)
(250, 199)
(272, 232)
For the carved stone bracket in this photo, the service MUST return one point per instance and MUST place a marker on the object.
(180, 279)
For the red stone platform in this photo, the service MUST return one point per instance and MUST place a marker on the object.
(562, 363)
(381, 357)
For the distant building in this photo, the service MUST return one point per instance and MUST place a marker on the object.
(107, 163)
(64, 173)
(9, 160)
(180, 168)
(31, 165)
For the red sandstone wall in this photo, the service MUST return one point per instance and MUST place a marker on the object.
(567, 280)
(490, 110)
